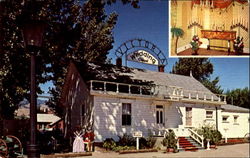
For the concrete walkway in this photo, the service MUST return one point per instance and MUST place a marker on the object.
(238, 150)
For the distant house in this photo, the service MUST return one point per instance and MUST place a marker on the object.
(117, 100)
(46, 120)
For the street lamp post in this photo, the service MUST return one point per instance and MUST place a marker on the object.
(33, 37)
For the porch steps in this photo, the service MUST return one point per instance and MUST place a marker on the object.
(188, 144)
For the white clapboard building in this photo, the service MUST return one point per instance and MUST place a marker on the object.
(118, 100)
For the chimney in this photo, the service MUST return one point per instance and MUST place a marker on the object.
(119, 62)
(161, 68)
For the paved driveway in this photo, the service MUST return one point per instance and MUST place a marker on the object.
(238, 150)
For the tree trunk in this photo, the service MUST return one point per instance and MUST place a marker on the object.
(177, 38)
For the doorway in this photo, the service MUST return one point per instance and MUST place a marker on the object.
(188, 116)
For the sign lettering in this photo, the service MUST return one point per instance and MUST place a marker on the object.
(137, 134)
(142, 56)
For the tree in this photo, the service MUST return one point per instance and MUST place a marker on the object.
(239, 97)
(213, 85)
(176, 32)
(78, 31)
(201, 69)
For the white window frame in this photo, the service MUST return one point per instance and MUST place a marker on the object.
(128, 113)
(225, 121)
(209, 116)
(160, 116)
(236, 117)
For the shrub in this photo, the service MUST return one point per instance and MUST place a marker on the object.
(127, 140)
(165, 142)
(109, 144)
(170, 140)
(143, 143)
(119, 148)
(216, 136)
(208, 132)
(151, 141)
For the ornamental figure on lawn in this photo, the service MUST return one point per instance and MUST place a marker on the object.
(78, 144)
(195, 43)
(89, 138)
(238, 45)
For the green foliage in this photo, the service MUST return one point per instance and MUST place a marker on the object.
(150, 141)
(208, 132)
(109, 144)
(239, 97)
(238, 45)
(134, 3)
(177, 32)
(119, 148)
(170, 140)
(201, 68)
(78, 31)
(143, 142)
(195, 42)
(165, 142)
(126, 140)
(194, 45)
(213, 85)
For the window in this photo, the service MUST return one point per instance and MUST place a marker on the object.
(236, 119)
(126, 114)
(209, 114)
(159, 114)
(225, 119)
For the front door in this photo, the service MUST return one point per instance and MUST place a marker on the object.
(188, 116)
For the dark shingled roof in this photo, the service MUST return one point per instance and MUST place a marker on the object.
(233, 108)
(166, 79)
(128, 75)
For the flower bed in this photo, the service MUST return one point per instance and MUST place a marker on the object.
(232, 141)
(137, 151)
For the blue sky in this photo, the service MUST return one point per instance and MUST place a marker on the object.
(150, 22)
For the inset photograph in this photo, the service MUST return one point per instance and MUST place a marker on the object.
(209, 28)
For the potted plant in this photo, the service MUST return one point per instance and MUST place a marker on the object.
(238, 45)
(170, 141)
(195, 43)
(176, 32)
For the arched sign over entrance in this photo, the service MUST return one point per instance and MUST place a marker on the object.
(143, 57)
(142, 51)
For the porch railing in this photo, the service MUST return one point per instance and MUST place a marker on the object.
(106, 86)
(196, 137)
(178, 144)
(161, 91)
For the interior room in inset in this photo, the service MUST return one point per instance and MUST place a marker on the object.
(209, 28)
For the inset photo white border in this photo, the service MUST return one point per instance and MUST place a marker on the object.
(220, 26)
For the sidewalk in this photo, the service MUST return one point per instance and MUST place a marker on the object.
(238, 150)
